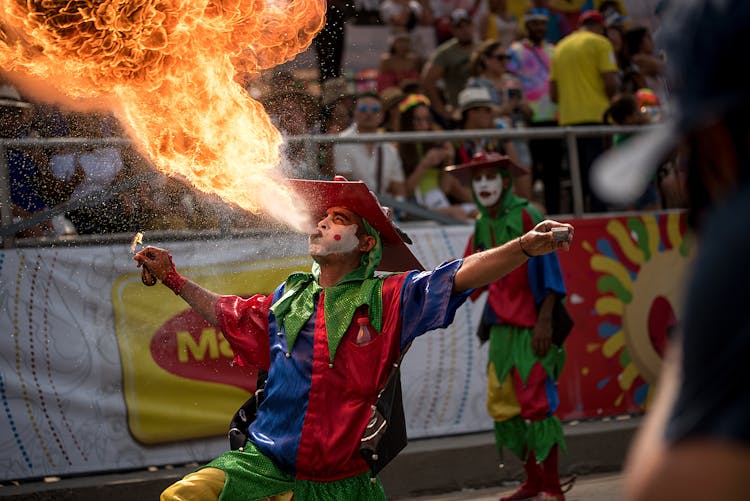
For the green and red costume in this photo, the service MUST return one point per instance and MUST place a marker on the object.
(521, 389)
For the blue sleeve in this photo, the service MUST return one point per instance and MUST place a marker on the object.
(545, 276)
(428, 301)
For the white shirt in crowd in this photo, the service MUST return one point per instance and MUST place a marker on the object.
(356, 163)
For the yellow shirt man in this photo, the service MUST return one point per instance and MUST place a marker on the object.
(583, 68)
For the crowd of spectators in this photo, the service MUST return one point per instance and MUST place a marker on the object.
(490, 68)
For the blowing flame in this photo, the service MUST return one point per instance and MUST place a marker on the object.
(168, 68)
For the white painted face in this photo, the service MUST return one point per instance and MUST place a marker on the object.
(488, 187)
(336, 234)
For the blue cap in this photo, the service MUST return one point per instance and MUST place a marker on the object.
(705, 42)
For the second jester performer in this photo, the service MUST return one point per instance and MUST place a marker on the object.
(523, 363)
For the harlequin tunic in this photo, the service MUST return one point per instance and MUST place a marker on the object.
(522, 396)
(315, 410)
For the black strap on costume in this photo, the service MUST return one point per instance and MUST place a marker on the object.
(385, 434)
(245, 415)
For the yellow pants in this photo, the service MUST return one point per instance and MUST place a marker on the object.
(204, 485)
(502, 403)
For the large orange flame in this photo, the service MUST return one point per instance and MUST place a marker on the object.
(169, 67)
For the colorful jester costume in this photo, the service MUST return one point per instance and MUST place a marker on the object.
(321, 383)
(323, 380)
(522, 395)
(521, 386)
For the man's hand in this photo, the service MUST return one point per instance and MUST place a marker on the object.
(541, 241)
(157, 261)
(541, 337)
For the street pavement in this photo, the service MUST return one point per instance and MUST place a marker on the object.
(452, 468)
(602, 487)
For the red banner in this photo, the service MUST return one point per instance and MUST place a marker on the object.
(624, 279)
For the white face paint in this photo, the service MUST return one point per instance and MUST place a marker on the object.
(333, 238)
(488, 187)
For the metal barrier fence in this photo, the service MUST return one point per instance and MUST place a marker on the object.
(8, 227)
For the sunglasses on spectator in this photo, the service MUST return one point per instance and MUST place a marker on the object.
(373, 108)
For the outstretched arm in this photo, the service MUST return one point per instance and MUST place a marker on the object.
(159, 263)
(485, 267)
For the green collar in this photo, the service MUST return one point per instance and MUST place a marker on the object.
(507, 224)
(360, 287)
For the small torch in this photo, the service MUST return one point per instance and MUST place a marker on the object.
(146, 276)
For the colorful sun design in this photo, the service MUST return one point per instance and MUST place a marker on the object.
(642, 263)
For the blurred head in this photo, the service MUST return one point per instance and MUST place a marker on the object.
(336, 116)
(293, 112)
(337, 89)
(616, 37)
(638, 41)
(462, 27)
(368, 112)
(624, 110)
(535, 22)
(592, 20)
(400, 43)
(415, 113)
(476, 108)
(490, 56)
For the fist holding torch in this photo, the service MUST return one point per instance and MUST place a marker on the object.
(157, 264)
(546, 237)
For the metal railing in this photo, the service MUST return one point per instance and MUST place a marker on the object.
(9, 228)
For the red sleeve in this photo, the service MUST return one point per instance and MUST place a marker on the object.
(244, 323)
(468, 252)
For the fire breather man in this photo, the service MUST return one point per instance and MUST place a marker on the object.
(324, 376)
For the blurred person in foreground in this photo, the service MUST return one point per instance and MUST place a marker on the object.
(695, 441)
(329, 340)
(523, 364)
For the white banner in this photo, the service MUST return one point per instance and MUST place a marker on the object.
(100, 373)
